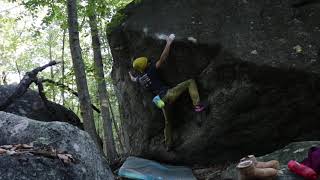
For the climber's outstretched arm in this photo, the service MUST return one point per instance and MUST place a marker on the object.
(134, 79)
(165, 51)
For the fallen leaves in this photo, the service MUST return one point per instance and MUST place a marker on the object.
(47, 151)
(2, 151)
(66, 158)
(6, 146)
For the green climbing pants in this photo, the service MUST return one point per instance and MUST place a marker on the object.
(167, 127)
(171, 95)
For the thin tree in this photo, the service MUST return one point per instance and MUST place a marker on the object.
(18, 70)
(101, 83)
(4, 78)
(78, 66)
(62, 65)
(50, 43)
(115, 125)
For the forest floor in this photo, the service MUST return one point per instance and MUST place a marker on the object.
(208, 173)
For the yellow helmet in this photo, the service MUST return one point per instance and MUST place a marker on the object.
(140, 64)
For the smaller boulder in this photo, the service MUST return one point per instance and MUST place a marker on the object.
(87, 162)
(31, 105)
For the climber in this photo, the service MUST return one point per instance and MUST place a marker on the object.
(149, 79)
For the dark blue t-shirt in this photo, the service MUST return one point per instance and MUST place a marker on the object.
(151, 81)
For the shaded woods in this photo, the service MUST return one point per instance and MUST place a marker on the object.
(81, 77)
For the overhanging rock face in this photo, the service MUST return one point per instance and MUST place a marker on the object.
(256, 63)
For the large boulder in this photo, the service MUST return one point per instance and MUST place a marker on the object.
(89, 164)
(32, 106)
(256, 63)
(297, 151)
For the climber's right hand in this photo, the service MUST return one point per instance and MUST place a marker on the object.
(170, 38)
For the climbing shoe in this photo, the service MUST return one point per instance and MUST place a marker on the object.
(199, 108)
(158, 102)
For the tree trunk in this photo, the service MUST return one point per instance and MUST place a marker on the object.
(62, 65)
(102, 91)
(124, 134)
(53, 95)
(78, 66)
(116, 127)
(18, 69)
(4, 78)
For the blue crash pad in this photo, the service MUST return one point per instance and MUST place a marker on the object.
(143, 169)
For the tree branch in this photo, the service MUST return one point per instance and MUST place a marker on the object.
(70, 90)
(24, 84)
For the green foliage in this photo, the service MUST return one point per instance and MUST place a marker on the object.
(117, 19)
(25, 44)
(119, 16)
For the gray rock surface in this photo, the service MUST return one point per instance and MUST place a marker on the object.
(256, 63)
(297, 151)
(90, 164)
(31, 105)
